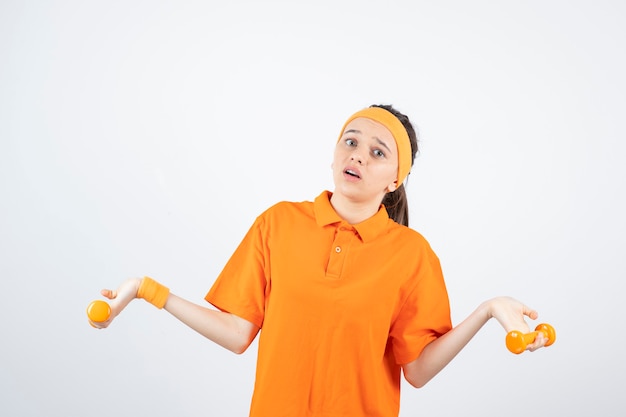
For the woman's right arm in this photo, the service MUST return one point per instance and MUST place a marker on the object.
(225, 329)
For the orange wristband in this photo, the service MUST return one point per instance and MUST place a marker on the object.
(153, 292)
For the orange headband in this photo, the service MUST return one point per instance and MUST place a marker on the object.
(391, 122)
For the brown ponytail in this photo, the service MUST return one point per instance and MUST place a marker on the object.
(396, 203)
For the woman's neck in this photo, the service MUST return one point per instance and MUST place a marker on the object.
(351, 211)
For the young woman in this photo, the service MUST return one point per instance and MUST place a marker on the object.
(347, 297)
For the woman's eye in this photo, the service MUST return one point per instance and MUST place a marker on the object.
(378, 153)
(350, 142)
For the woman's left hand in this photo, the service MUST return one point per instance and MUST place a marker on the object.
(511, 314)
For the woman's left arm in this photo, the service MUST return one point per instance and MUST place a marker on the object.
(437, 354)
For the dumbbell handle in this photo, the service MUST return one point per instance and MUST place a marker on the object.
(517, 341)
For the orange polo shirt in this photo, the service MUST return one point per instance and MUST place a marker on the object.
(340, 307)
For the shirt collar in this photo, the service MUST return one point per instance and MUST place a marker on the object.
(368, 229)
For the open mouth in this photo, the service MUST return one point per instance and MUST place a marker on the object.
(352, 173)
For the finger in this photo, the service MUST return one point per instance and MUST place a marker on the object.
(110, 294)
(538, 343)
(532, 314)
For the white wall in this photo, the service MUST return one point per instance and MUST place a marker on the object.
(143, 137)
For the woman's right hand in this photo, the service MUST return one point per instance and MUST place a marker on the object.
(118, 300)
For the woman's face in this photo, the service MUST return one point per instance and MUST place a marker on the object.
(365, 164)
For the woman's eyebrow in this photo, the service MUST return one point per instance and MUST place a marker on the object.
(380, 142)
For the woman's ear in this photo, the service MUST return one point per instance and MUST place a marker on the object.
(392, 187)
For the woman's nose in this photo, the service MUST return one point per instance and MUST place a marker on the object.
(356, 157)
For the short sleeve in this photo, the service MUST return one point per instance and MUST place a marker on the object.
(241, 287)
(425, 314)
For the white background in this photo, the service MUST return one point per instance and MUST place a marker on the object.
(143, 137)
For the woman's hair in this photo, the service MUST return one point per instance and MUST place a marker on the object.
(396, 202)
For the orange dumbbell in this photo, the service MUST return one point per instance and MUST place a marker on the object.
(516, 341)
(98, 311)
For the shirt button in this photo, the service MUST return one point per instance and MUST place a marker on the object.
(338, 249)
